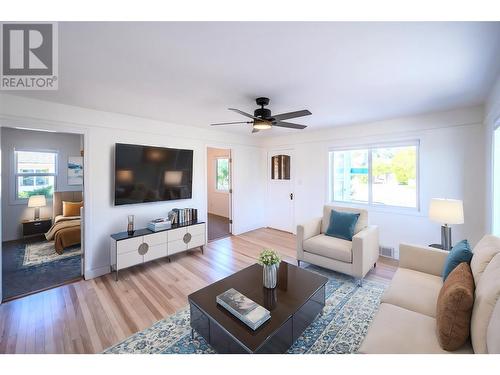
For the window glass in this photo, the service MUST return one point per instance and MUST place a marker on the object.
(35, 173)
(394, 171)
(222, 174)
(28, 186)
(350, 176)
(377, 176)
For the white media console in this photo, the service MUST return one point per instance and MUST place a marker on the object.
(144, 245)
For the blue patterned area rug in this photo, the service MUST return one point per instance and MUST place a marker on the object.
(339, 330)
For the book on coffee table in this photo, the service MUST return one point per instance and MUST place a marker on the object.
(242, 307)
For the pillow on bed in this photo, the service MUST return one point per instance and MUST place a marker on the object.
(71, 208)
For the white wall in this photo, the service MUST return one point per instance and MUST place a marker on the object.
(451, 160)
(15, 139)
(102, 130)
(218, 201)
(491, 119)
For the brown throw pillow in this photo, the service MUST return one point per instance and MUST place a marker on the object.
(71, 208)
(454, 308)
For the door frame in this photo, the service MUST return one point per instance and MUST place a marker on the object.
(231, 179)
(59, 127)
(291, 152)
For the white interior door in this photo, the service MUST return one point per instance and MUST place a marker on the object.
(281, 190)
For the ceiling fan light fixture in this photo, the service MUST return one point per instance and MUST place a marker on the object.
(261, 125)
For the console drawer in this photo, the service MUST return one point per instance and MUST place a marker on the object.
(128, 259)
(176, 247)
(176, 234)
(196, 229)
(156, 238)
(198, 240)
(128, 245)
(155, 252)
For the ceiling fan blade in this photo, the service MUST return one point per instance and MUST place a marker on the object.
(255, 130)
(286, 116)
(289, 125)
(230, 123)
(244, 114)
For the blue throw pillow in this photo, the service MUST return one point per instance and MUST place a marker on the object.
(342, 225)
(461, 252)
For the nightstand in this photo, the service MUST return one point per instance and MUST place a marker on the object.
(38, 226)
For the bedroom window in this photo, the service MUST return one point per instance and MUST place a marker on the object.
(377, 175)
(222, 174)
(35, 173)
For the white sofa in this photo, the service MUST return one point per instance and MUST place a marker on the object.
(406, 319)
(354, 258)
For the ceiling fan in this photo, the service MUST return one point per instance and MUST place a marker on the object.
(262, 118)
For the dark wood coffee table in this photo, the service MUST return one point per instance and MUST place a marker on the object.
(294, 304)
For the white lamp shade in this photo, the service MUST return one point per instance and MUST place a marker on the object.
(446, 211)
(37, 201)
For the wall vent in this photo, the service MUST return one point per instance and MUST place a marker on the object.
(386, 251)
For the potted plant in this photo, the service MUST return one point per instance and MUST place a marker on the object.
(270, 260)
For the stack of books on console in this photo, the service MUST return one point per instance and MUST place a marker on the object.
(184, 215)
(159, 224)
(246, 310)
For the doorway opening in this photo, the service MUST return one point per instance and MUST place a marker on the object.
(42, 205)
(219, 191)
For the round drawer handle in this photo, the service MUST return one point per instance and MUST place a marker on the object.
(187, 238)
(143, 248)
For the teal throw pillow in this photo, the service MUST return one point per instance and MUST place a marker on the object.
(461, 252)
(342, 225)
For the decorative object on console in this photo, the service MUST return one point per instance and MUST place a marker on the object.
(161, 223)
(446, 212)
(37, 201)
(75, 170)
(130, 224)
(270, 261)
(242, 307)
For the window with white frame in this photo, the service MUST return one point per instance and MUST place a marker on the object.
(222, 174)
(385, 175)
(35, 173)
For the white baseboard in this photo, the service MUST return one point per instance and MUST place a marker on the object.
(96, 272)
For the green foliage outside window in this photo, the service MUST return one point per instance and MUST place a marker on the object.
(48, 191)
(222, 174)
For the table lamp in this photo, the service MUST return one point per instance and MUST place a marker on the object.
(446, 212)
(37, 201)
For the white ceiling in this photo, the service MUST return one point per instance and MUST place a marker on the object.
(344, 73)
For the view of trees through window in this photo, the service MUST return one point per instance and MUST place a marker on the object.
(222, 177)
(393, 176)
(35, 173)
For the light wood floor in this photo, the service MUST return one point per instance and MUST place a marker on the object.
(89, 316)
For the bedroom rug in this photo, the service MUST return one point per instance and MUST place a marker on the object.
(339, 330)
(44, 252)
(19, 279)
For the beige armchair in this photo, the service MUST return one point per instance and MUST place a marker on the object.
(354, 258)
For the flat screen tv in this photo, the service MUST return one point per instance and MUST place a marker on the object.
(152, 174)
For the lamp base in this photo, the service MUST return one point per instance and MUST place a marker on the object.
(446, 237)
(37, 213)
